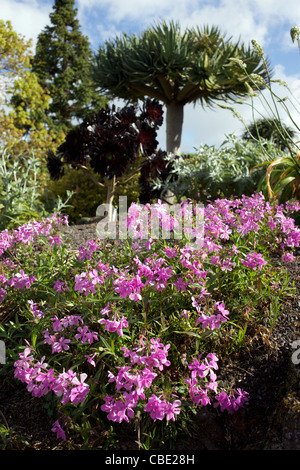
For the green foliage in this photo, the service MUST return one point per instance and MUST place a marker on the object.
(62, 64)
(19, 198)
(218, 172)
(295, 35)
(20, 190)
(282, 179)
(87, 196)
(13, 50)
(9, 438)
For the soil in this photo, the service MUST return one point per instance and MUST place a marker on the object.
(265, 368)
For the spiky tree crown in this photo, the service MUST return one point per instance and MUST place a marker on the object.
(174, 66)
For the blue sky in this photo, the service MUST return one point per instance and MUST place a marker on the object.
(267, 21)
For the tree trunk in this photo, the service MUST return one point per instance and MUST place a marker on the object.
(174, 123)
(110, 185)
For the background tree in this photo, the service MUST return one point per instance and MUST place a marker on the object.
(23, 102)
(177, 68)
(271, 129)
(62, 63)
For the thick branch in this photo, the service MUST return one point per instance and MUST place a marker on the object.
(145, 90)
(166, 87)
(131, 176)
(83, 167)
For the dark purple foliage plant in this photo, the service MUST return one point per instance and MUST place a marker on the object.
(110, 142)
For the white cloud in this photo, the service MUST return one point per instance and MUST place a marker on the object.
(28, 17)
(250, 19)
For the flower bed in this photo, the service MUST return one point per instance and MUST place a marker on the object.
(133, 334)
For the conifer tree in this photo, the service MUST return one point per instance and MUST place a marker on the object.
(62, 63)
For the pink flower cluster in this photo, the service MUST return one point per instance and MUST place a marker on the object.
(213, 321)
(160, 408)
(60, 343)
(156, 355)
(245, 215)
(87, 253)
(27, 233)
(287, 257)
(155, 272)
(114, 322)
(142, 221)
(231, 403)
(128, 286)
(20, 280)
(203, 370)
(60, 286)
(34, 308)
(131, 384)
(86, 282)
(253, 261)
(182, 270)
(201, 395)
(40, 380)
(60, 433)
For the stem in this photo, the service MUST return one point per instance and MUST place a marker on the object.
(110, 185)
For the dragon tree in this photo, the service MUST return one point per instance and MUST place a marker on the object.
(176, 68)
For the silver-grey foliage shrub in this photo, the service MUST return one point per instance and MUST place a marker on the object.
(219, 172)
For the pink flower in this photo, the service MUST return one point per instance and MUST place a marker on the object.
(60, 286)
(87, 253)
(61, 345)
(90, 359)
(83, 284)
(106, 310)
(180, 284)
(287, 257)
(55, 240)
(172, 409)
(3, 294)
(21, 280)
(170, 252)
(81, 389)
(84, 334)
(159, 409)
(35, 310)
(60, 433)
(231, 403)
(117, 409)
(114, 325)
(156, 407)
(198, 368)
(254, 260)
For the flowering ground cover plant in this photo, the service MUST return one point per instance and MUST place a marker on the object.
(133, 335)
